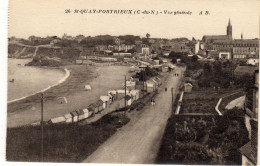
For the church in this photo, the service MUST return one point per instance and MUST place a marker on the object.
(228, 37)
(225, 47)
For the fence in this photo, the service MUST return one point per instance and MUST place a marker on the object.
(179, 103)
(228, 98)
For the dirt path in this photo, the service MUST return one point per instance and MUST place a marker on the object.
(239, 102)
(139, 141)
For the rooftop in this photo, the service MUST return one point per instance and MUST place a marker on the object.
(248, 151)
(245, 69)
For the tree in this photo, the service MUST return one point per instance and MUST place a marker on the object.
(194, 58)
(131, 50)
(174, 60)
(148, 35)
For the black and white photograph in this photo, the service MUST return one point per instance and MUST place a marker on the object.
(132, 82)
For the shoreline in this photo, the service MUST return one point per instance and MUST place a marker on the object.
(67, 74)
(101, 79)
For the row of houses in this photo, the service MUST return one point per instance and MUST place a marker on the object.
(89, 60)
(74, 116)
(129, 95)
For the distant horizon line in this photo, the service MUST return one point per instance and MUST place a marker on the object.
(189, 38)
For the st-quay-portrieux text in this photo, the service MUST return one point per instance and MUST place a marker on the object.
(127, 12)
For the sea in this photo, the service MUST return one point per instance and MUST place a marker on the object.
(28, 80)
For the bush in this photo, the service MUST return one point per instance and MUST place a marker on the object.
(62, 142)
(215, 136)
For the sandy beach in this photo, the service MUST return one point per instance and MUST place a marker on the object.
(101, 79)
(67, 74)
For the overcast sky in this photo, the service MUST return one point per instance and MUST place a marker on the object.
(47, 17)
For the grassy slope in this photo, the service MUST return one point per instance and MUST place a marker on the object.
(63, 142)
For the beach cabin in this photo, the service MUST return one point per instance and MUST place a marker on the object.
(140, 85)
(136, 79)
(99, 104)
(172, 66)
(87, 87)
(128, 100)
(81, 114)
(105, 100)
(164, 61)
(121, 93)
(150, 87)
(86, 62)
(111, 98)
(158, 80)
(158, 67)
(58, 119)
(156, 84)
(112, 93)
(93, 107)
(130, 85)
(79, 62)
(134, 94)
(157, 62)
(62, 100)
(188, 87)
(91, 112)
(132, 69)
(75, 116)
(68, 118)
(82, 57)
(121, 103)
(165, 69)
(88, 112)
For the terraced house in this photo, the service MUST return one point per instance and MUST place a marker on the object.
(244, 49)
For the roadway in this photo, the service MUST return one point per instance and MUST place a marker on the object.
(138, 142)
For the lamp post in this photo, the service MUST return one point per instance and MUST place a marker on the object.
(42, 98)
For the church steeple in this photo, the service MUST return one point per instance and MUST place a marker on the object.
(241, 36)
(229, 30)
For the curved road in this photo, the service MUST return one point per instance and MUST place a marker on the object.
(138, 142)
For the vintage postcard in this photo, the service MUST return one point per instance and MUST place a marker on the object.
(133, 82)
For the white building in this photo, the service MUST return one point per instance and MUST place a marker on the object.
(106, 101)
(134, 94)
(253, 61)
(145, 50)
(224, 55)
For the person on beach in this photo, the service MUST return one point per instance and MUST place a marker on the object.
(153, 102)
(165, 89)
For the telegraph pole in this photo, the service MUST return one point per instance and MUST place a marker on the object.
(172, 99)
(143, 83)
(125, 92)
(145, 80)
(42, 97)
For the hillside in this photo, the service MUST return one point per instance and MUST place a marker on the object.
(44, 55)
